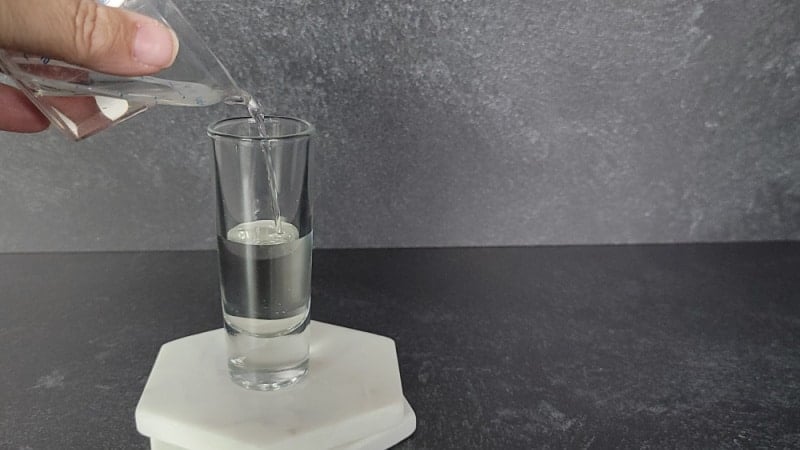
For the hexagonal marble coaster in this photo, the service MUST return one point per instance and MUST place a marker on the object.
(351, 398)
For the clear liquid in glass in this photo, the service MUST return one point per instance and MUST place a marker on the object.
(265, 287)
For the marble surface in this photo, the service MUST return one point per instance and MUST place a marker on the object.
(460, 123)
(673, 346)
(351, 399)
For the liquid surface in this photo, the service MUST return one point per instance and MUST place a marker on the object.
(262, 232)
(143, 90)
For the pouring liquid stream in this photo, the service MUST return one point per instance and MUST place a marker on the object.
(254, 109)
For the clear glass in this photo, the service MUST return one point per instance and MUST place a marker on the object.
(81, 102)
(264, 240)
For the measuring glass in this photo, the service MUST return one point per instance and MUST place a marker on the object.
(264, 239)
(81, 102)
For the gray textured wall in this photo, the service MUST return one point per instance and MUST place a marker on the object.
(461, 123)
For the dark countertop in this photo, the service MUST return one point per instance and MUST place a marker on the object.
(666, 346)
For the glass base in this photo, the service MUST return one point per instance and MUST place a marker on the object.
(260, 362)
(263, 380)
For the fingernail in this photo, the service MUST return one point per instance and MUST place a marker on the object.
(155, 45)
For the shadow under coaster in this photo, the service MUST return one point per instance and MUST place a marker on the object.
(351, 398)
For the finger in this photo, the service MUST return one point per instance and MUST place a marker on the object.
(82, 32)
(18, 114)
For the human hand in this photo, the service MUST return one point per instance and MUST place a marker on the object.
(80, 32)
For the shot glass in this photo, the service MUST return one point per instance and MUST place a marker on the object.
(264, 240)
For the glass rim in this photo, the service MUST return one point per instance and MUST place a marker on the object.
(213, 130)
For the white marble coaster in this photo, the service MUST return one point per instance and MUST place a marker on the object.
(351, 398)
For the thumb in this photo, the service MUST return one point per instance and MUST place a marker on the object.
(85, 33)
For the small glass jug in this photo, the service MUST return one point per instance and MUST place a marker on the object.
(82, 102)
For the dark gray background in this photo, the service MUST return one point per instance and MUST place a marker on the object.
(460, 123)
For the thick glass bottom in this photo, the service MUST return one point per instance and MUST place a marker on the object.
(263, 380)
